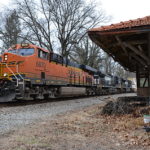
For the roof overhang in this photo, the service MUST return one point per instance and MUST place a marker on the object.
(127, 42)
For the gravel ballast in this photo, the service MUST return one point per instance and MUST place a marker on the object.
(15, 117)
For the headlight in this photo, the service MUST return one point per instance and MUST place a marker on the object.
(5, 74)
(5, 57)
(24, 44)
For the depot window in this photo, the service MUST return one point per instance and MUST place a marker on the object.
(143, 82)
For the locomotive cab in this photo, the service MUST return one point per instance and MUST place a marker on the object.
(20, 66)
(14, 59)
(23, 50)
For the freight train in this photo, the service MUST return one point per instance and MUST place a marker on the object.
(30, 72)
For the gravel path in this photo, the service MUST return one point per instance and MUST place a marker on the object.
(14, 117)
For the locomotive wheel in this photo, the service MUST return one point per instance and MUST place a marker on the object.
(46, 96)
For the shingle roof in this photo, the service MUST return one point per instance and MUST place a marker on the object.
(126, 24)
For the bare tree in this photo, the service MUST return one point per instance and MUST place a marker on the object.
(57, 24)
(87, 53)
(10, 30)
(36, 23)
(72, 19)
(113, 68)
(121, 72)
(108, 64)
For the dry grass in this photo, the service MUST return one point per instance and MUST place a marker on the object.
(85, 129)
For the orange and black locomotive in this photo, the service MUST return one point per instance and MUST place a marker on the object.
(30, 72)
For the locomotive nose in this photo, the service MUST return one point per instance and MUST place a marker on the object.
(10, 64)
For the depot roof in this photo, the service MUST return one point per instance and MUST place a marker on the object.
(127, 42)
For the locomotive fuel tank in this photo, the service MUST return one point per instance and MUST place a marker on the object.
(72, 91)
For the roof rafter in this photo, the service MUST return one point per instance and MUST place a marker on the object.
(120, 43)
(135, 50)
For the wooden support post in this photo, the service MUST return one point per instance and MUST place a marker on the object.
(137, 76)
(149, 63)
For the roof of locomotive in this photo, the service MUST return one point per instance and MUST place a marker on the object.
(26, 45)
(88, 68)
(55, 58)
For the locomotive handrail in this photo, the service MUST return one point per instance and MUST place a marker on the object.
(12, 73)
(0, 69)
(13, 63)
(18, 72)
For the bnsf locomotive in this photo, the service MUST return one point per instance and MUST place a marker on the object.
(30, 72)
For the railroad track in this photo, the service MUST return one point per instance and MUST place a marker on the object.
(39, 101)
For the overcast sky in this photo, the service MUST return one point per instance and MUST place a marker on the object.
(120, 10)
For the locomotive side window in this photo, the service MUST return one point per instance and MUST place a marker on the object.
(42, 54)
(56, 58)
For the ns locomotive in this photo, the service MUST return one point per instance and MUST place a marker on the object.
(30, 72)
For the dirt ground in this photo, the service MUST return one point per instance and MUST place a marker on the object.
(84, 129)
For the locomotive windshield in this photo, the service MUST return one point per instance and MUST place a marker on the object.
(23, 51)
